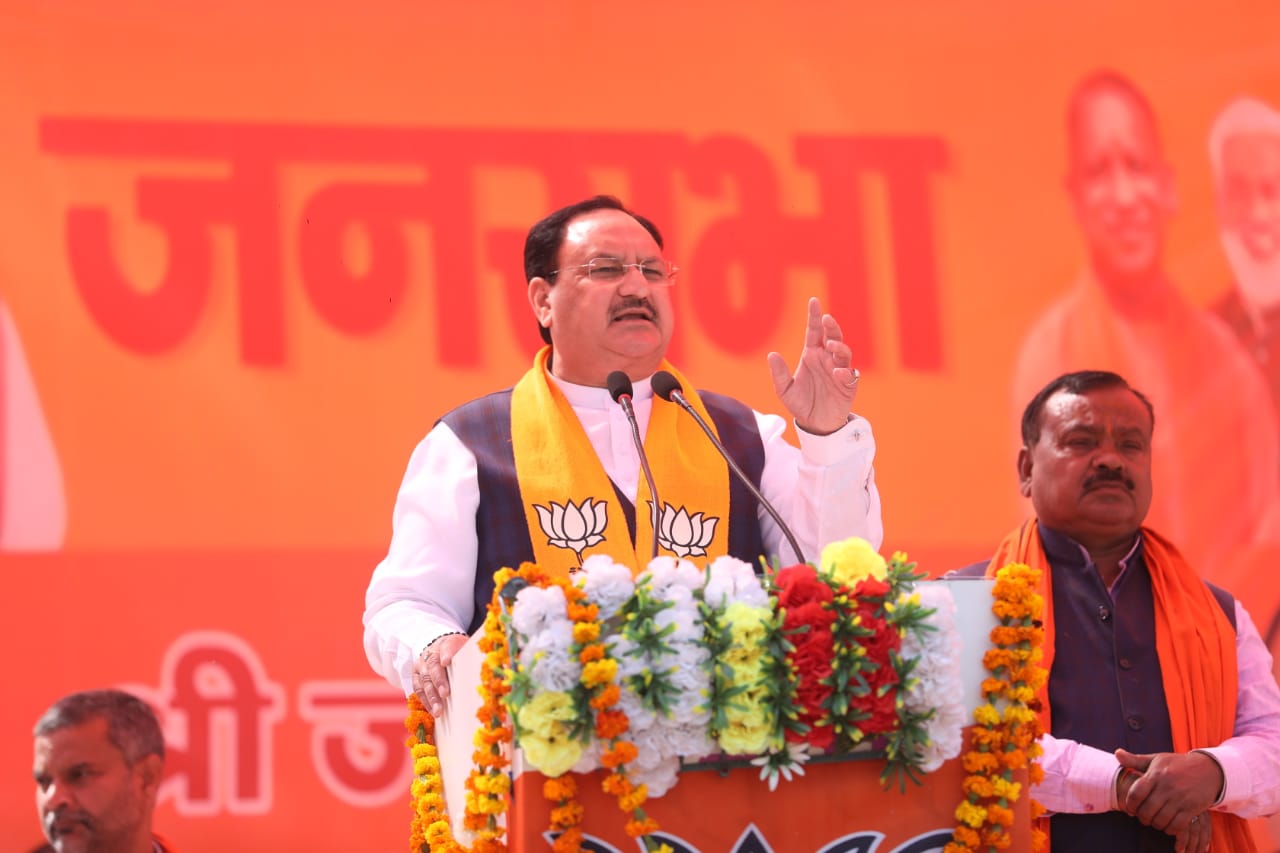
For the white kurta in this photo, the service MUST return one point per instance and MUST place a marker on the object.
(825, 490)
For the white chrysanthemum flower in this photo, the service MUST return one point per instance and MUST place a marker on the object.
(660, 776)
(556, 671)
(936, 678)
(730, 579)
(535, 608)
(607, 584)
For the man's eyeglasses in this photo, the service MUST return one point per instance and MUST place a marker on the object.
(613, 270)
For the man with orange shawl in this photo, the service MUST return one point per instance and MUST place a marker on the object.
(1161, 713)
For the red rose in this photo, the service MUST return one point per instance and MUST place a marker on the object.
(800, 583)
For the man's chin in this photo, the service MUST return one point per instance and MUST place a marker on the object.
(74, 841)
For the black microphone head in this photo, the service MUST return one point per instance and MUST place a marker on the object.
(619, 385)
(664, 385)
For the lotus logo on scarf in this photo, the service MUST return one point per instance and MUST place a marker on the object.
(685, 535)
(574, 527)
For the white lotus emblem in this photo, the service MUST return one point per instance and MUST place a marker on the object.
(574, 527)
(685, 535)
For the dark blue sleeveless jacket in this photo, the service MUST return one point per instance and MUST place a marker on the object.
(1106, 689)
(484, 426)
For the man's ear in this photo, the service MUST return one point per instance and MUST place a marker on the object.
(1024, 472)
(150, 770)
(540, 300)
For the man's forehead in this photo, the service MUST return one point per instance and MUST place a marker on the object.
(75, 743)
(1095, 406)
(1252, 151)
(1107, 113)
(600, 229)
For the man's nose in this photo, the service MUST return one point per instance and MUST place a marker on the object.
(633, 280)
(54, 798)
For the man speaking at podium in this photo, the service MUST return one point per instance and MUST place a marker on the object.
(549, 471)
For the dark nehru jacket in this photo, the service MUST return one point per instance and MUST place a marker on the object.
(1106, 689)
(484, 426)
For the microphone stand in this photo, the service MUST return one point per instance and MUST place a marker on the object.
(621, 390)
(668, 388)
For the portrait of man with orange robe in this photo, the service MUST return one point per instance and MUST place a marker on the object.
(1124, 314)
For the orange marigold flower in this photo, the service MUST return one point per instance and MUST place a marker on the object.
(583, 612)
(977, 786)
(570, 841)
(567, 815)
(621, 753)
(560, 788)
(607, 697)
(610, 724)
(641, 826)
(634, 800)
(616, 784)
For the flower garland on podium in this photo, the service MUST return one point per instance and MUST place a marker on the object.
(635, 674)
(1006, 737)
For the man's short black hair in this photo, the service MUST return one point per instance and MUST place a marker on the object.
(1079, 382)
(131, 724)
(542, 244)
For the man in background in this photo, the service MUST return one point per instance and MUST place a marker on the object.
(1125, 315)
(99, 759)
(1244, 151)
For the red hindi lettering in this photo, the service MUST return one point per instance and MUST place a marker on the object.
(357, 740)
(837, 241)
(221, 711)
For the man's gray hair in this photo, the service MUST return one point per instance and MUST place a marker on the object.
(1241, 115)
(132, 726)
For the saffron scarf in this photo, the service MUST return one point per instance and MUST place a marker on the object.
(570, 504)
(1195, 644)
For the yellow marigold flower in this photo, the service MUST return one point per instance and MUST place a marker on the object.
(971, 815)
(586, 632)
(426, 766)
(1019, 714)
(851, 560)
(986, 714)
(1006, 788)
(599, 672)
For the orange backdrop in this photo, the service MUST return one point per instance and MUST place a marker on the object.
(252, 251)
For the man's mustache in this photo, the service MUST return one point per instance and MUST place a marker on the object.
(1109, 475)
(631, 304)
(63, 817)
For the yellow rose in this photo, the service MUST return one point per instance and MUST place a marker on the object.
(747, 736)
(546, 713)
(851, 560)
(553, 755)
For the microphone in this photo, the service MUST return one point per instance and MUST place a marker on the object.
(668, 388)
(619, 385)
